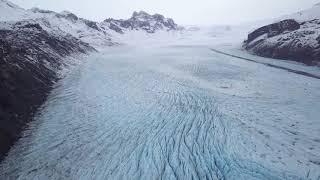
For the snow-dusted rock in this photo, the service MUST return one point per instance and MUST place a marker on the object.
(295, 39)
(142, 21)
(65, 22)
(83, 29)
(274, 29)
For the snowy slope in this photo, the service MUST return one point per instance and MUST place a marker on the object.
(85, 30)
(11, 12)
(306, 15)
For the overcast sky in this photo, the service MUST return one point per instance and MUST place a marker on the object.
(182, 11)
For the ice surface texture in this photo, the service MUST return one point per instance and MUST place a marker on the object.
(159, 113)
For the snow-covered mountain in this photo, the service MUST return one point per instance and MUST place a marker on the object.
(63, 23)
(294, 37)
(83, 29)
(142, 21)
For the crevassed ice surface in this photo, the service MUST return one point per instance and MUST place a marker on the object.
(172, 112)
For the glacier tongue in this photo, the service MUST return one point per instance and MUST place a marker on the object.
(163, 112)
(165, 106)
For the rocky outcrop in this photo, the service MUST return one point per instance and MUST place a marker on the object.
(29, 60)
(295, 38)
(142, 21)
(287, 40)
(274, 29)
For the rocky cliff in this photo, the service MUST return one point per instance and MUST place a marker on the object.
(142, 21)
(297, 38)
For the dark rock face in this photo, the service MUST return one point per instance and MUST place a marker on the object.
(287, 40)
(275, 29)
(116, 24)
(29, 60)
(37, 10)
(91, 24)
(68, 15)
(143, 21)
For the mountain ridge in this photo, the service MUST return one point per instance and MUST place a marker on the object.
(142, 21)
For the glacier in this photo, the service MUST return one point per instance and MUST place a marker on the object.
(166, 106)
(157, 109)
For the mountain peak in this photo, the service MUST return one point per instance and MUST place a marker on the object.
(69, 15)
(38, 10)
(140, 13)
(142, 21)
(143, 16)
